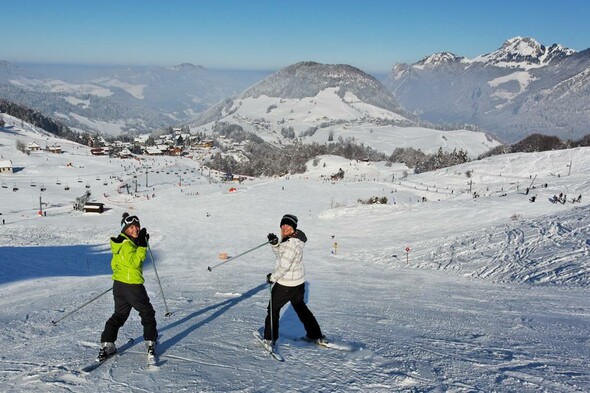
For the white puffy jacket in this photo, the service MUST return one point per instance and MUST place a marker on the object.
(289, 269)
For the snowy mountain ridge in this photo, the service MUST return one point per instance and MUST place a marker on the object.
(119, 100)
(512, 92)
(438, 59)
(524, 53)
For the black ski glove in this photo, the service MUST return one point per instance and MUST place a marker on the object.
(119, 239)
(268, 280)
(143, 238)
(273, 239)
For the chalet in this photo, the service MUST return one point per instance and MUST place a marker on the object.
(98, 151)
(206, 144)
(32, 146)
(175, 151)
(123, 145)
(153, 151)
(141, 139)
(94, 207)
(5, 166)
(125, 153)
(54, 149)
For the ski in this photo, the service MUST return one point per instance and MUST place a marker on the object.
(269, 349)
(323, 344)
(99, 362)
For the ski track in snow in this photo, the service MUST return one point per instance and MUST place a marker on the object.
(523, 252)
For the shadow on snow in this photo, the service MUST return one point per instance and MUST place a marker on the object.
(26, 263)
(220, 309)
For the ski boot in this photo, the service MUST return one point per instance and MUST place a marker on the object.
(107, 349)
(150, 347)
(270, 343)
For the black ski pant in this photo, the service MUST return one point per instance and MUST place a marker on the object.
(280, 296)
(128, 296)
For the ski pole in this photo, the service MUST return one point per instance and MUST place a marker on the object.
(82, 306)
(272, 330)
(237, 256)
(168, 313)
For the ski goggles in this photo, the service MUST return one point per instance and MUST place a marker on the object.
(130, 220)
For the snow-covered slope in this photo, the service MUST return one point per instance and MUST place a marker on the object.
(491, 296)
(322, 103)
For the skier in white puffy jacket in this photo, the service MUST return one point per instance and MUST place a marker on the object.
(289, 281)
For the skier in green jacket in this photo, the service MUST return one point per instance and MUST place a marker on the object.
(129, 252)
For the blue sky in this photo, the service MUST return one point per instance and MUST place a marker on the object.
(372, 35)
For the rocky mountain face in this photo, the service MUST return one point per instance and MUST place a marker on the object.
(307, 80)
(520, 89)
(524, 53)
(117, 100)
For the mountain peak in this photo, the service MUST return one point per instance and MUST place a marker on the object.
(307, 79)
(187, 66)
(438, 59)
(524, 53)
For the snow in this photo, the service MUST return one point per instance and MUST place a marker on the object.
(493, 295)
(523, 78)
(522, 48)
(76, 101)
(387, 138)
(351, 118)
(109, 128)
(135, 90)
(59, 86)
(307, 110)
(438, 58)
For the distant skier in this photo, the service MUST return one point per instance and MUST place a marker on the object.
(289, 281)
(129, 252)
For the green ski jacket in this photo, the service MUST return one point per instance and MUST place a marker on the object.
(127, 262)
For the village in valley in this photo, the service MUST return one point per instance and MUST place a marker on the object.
(177, 143)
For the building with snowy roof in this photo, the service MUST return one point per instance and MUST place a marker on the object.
(6, 166)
